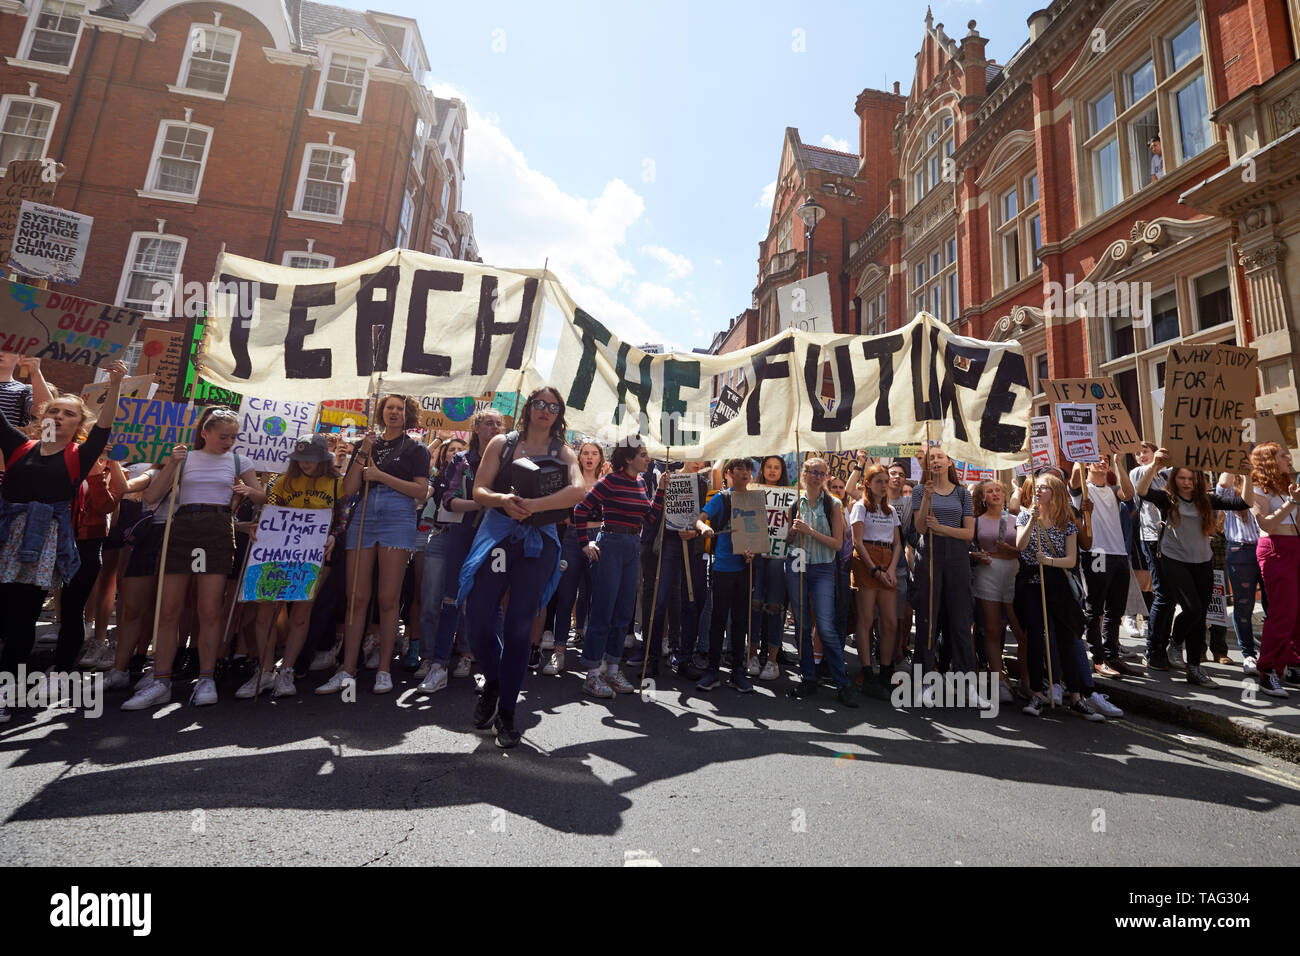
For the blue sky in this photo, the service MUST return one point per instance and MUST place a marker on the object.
(633, 143)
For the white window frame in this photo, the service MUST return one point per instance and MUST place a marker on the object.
(188, 58)
(151, 190)
(327, 61)
(1018, 226)
(927, 164)
(131, 250)
(348, 178)
(1194, 301)
(10, 98)
(29, 36)
(326, 262)
(935, 288)
(405, 224)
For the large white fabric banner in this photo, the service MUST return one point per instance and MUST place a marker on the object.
(976, 393)
(449, 328)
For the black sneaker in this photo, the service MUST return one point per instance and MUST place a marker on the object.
(507, 736)
(1195, 675)
(485, 711)
(534, 657)
(845, 696)
(741, 683)
(1157, 662)
(803, 690)
(687, 671)
(651, 671)
(1271, 684)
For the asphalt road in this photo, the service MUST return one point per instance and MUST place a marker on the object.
(684, 779)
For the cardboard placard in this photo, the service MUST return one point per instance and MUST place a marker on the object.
(137, 386)
(1209, 394)
(682, 504)
(1115, 428)
(63, 328)
(24, 180)
(146, 429)
(1267, 428)
(779, 502)
(1077, 426)
(161, 353)
(284, 561)
(749, 523)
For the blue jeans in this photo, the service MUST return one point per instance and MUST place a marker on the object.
(819, 590)
(671, 576)
(1243, 576)
(1162, 609)
(431, 594)
(613, 598)
(577, 574)
(502, 651)
(459, 538)
(768, 602)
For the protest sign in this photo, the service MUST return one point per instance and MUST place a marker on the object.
(1267, 428)
(779, 501)
(50, 243)
(344, 414)
(95, 394)
(204, 392)
(1216, 612)
(448, 327)
(1115, 429)
(806, 304)
(1042, 449)
(63, 328)
(1209, 393)
(749, 522)
(146, 429)
(456, 414)
(839, 464)
(727, 407)
(268, 430)
(24, 180)
(682, 504)
(160, 357)
(976, 393)
(506, 402)
(968, 472)
(284, 561)
(1077, 426)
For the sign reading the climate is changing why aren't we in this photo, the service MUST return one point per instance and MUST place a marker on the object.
(284, 560)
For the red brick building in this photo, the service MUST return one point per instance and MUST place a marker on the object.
(995, 195)
(294, 132)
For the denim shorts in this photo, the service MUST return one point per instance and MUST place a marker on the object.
(389, 521)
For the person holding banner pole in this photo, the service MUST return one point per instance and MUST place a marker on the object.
(768, 596)
(310, 482)
(394, 468)
(729, 578)
(516, 552)
(683, 568)
(201, 543)
(38, 548)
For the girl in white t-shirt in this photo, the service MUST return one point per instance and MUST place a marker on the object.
(876, 547)
(997, 561)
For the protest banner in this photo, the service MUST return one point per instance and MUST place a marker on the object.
(975, 392)
(448, 328)
(1077, 426)
(1267, 428)
(806, 304)
(749, 523)
(1209, 394)
(204, 392)
(343, 414)
(1216, 612)
(682, 504)
(24, 180)
(779, 501)
(839, 464)
(160, 356)
(1042, 449)
(968, 472)
(63, 328)
(284, 561)
(268, 430)
(1115, 429)
(146, 429)
(50, 243)
(96, 393)
(727, 407)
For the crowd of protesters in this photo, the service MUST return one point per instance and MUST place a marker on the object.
(488, 554)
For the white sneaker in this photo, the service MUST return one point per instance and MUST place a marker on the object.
(323, 660)
(595, 685)
(284, 686)
(146, 681)
(107, 657)
(1250, 667)
(1130, 623)
(556, 663)
(548, 640)
(383, 682)
(770, 671)
(1058, 694)
(117, 680)
(149, 695)
(371, 650)
(205, 692)
(336, 683)
(1101, 702)
(616, 682)
(259, 682)
(930, 696)
(1004, 693)
(422, 671)
(435, 680)
(464, 667)
(666, 648)
(90, 654)
(754, 667)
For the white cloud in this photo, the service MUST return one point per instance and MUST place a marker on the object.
(678, 266)
(651, 296)
(768, 197)
(830, 142)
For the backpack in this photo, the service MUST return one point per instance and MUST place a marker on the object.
(826, 509)
(72, 461)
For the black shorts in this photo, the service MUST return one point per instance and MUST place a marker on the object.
(142, 553)
(128, 513)
(209, 535)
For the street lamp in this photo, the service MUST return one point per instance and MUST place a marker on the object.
(811, 212)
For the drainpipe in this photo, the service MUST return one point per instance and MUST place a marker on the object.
(278, 211)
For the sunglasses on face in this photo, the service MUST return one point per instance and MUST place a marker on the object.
(542, 405)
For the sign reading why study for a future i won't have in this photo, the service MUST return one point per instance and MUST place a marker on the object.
(284, 561)
(1209, 396)
(268, 431)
